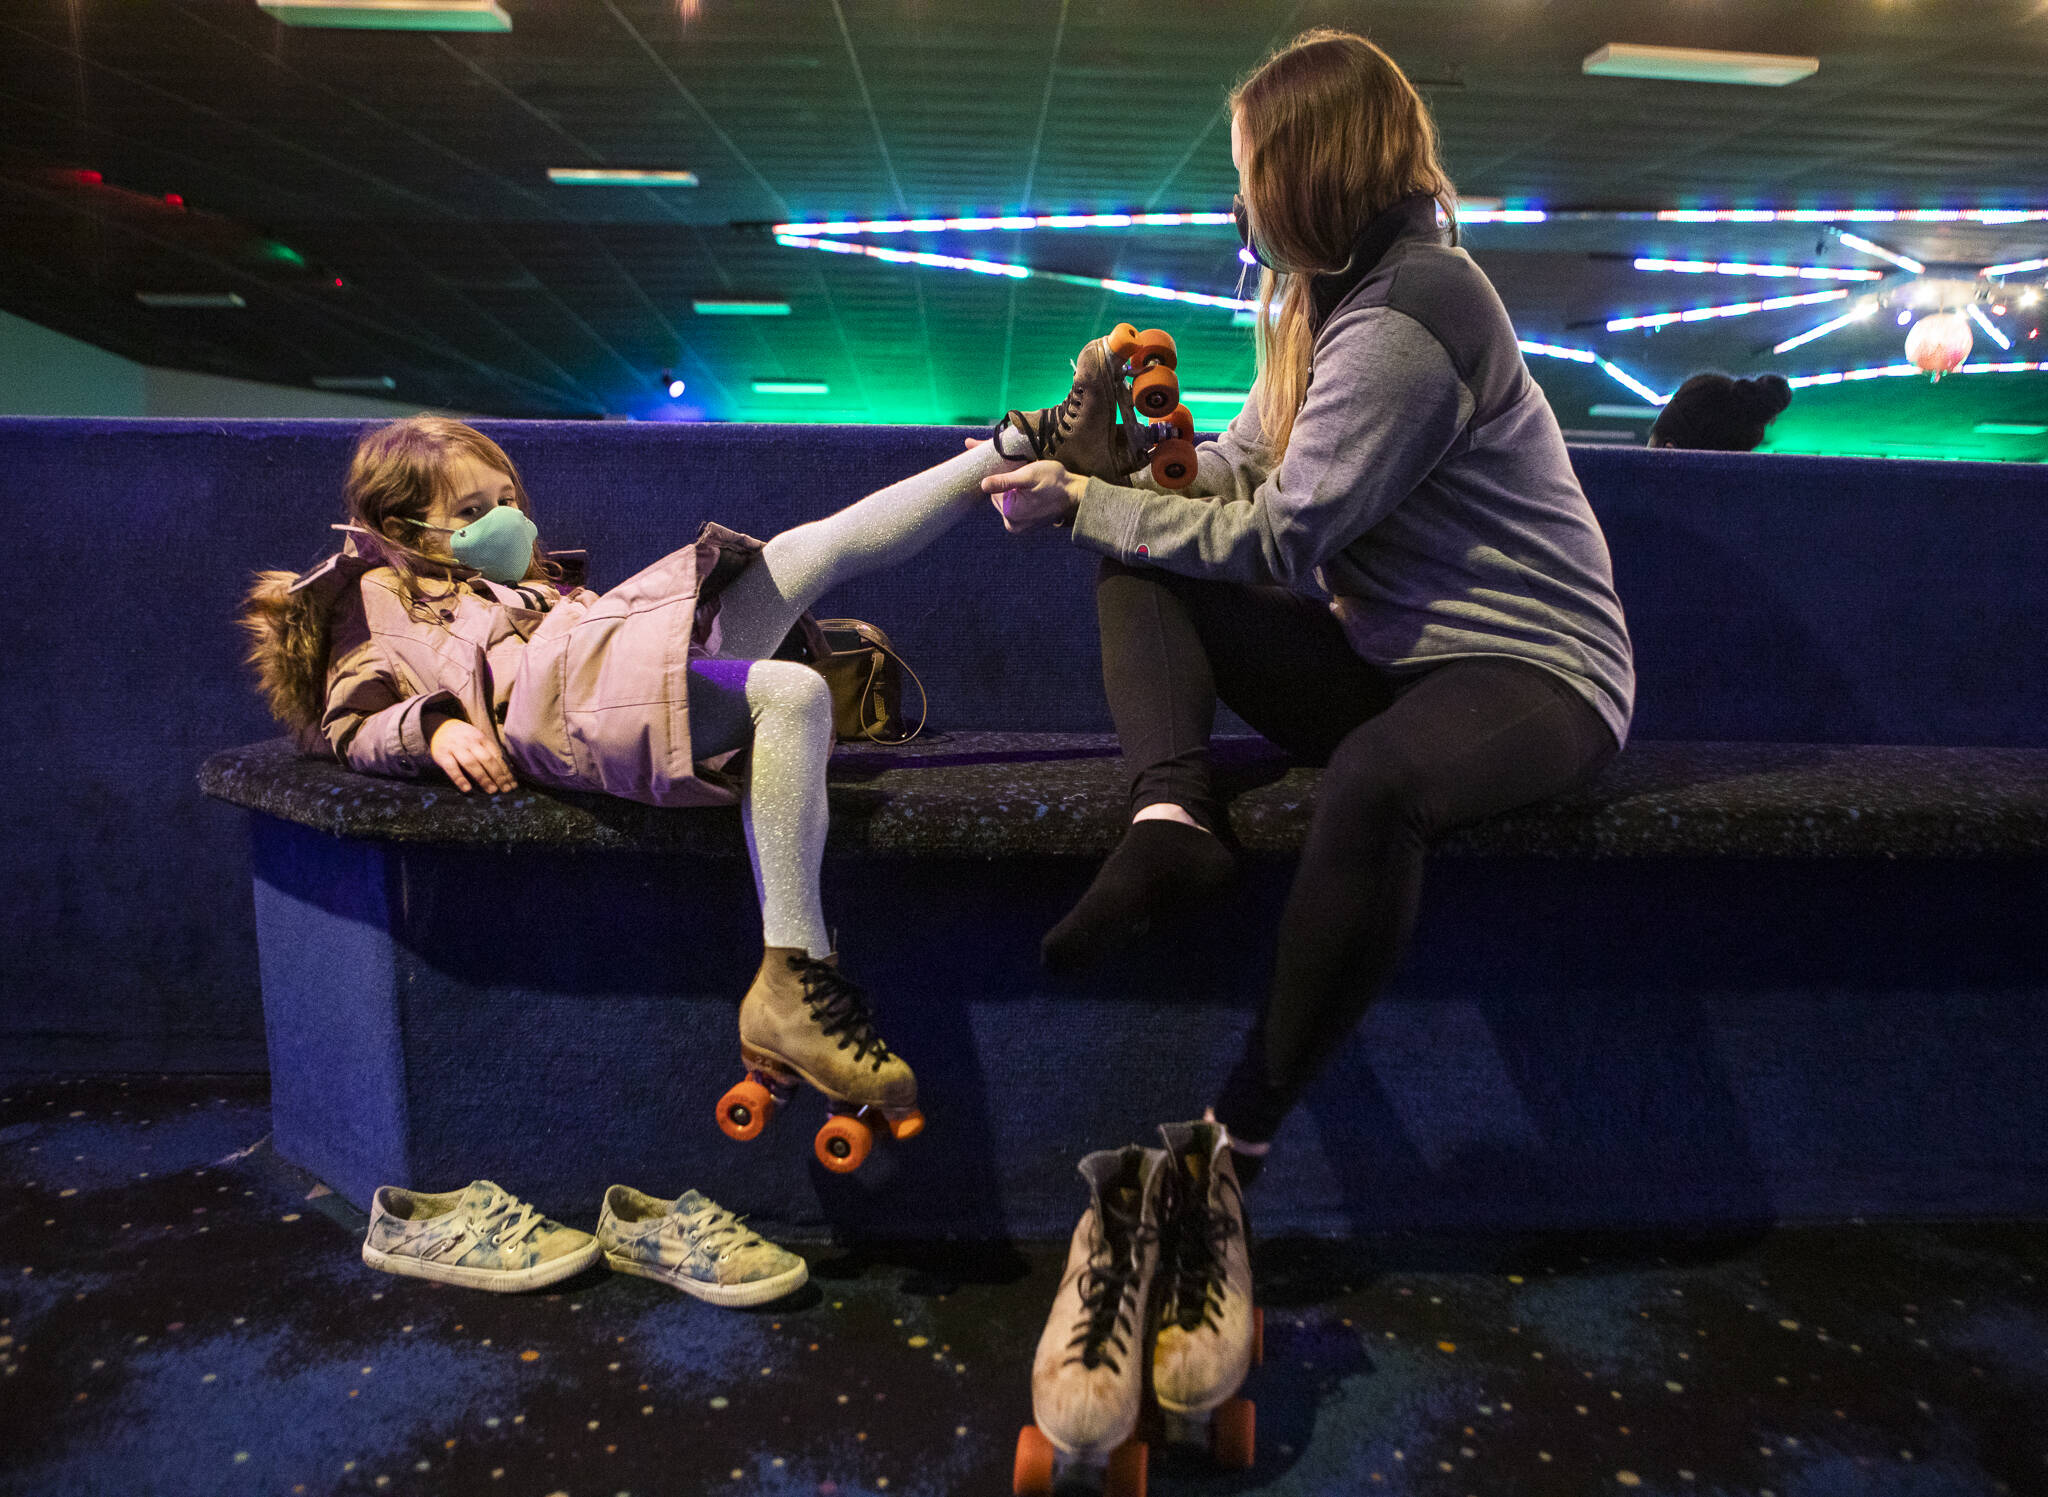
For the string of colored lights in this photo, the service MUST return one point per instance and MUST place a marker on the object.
(1731, 309)
(1586, 356)
(1903, 371)
(1858, 242)
(1800, 341)
(1017, 272)
(991, 223)
(1738, 267)
(1977, 316)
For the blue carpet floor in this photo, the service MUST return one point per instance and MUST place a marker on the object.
(182, 1312)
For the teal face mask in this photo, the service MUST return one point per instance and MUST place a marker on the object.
(499, 545)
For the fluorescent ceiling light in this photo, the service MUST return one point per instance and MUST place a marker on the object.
(1625, 412)
(354, 382)
(1609, 434)
(1695, 65)
(1907, 371)
(392, 15)
(791, 387)
(2008, 429)
(1977, 315)
(1215, 397)
(740, 307)
(610, 176)
(189, 299)
(2017, 267)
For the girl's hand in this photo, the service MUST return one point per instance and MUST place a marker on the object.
(1035, 495)
(470, 757)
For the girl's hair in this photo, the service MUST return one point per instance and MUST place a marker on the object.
(395, 474)
(1719, 414)
(1333, 135)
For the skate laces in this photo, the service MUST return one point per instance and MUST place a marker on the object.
(1107, 1322)
(717, 1230)
(1201, 1228)
(838, 1006)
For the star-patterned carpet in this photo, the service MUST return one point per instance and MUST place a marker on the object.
(183, 1312)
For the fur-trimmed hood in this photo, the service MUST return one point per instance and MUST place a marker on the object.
(287, 617)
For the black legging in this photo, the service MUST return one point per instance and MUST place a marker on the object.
(1408, 758)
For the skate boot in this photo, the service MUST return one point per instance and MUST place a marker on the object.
(1106, 429)
(1208, 1334)
(1088, 1379)
(804, 1020)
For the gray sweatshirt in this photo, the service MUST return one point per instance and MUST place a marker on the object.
(1426, 489)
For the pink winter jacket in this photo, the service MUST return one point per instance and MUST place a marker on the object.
(589, 695)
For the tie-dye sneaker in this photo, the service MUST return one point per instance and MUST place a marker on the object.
(696, 1245)
(481, 1237)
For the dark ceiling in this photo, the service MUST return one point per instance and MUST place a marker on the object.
(410, 167)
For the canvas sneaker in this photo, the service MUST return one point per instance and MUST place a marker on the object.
(481, 1237)
(694, 1244)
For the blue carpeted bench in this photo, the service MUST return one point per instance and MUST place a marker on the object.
(1695, 991)
(1815, 991)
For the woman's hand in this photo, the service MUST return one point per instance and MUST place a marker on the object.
(470, 757)
(1035, 495)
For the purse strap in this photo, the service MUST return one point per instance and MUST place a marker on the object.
(876, 640)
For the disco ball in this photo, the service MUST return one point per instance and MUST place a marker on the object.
(1939, 344)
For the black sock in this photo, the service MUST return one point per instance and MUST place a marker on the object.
(1158, 865)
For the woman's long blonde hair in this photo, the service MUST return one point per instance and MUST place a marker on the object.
(1333, 135)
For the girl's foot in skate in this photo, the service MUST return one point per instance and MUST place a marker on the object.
(805, 1020)
(1106, 428)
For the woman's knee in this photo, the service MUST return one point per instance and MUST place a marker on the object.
(1371, 785)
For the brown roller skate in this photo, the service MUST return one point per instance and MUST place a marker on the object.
(1124, 408)
(804, 1020)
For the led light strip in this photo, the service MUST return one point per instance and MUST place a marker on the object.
(1735, 267)
(1018, 272)
(1731, 309)
(1585, 356)
(1012, 222)
(1977, 316)
(1857, 242)
(1901, 371)
(2017, 267)
(1843, 215)
(1825, 328)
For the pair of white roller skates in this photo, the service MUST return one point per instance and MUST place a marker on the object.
(1153, 1329)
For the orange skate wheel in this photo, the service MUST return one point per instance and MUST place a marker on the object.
(1122, 339)
(1233, 1431)
(745, 1110)
(1258, 1337)
(1155, 346)
(908, 1126)
(1182, 420)
(843, 1143)
(1032, 1475)
(1156, 391)
(1173, 463)
(1126, 1474)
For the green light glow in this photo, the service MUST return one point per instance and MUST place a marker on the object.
(791, 387)
(2008, 429)
(735, 307)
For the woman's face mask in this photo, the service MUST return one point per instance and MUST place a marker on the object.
(498, 544)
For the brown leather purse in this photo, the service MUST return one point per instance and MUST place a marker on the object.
(866, 676)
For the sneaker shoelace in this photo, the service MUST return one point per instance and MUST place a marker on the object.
(1104, 1332)
(718, 1231)
(839, 1006)
(507, 1219)
(1201, 1230)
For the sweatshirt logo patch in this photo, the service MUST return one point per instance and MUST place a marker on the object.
(1144, 550)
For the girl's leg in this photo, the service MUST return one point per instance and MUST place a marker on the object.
(800, 565)
(1469, 739)
(1169, 644)
(785, 711)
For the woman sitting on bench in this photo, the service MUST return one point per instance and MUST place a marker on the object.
(1390, 568)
